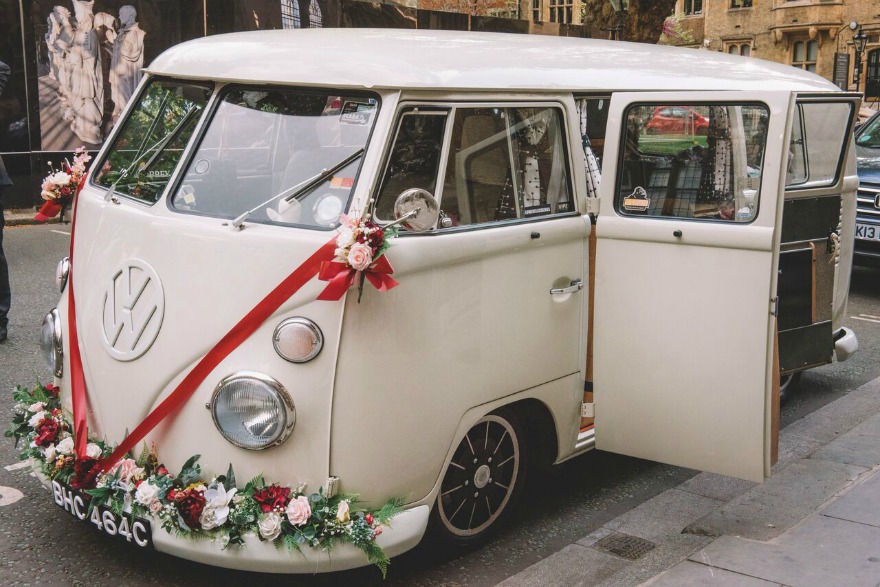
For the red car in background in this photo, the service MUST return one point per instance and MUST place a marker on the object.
(677, 120)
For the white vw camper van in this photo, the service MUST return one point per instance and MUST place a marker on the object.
(601, 244)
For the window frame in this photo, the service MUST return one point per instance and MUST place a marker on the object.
(806, 63)
(740, 4)
(450, 108)
(621, 158)
(691, 8)
(807, 184)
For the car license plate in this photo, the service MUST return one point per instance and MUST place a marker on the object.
(868, 232)
(138, 531)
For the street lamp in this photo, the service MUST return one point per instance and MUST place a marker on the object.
(860, 39)
(619, 7)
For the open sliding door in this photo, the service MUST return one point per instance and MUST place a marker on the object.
(685, 277)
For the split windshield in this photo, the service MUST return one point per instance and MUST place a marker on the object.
(276, 156)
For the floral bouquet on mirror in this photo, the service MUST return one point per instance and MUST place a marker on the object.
(60, 186)
(359, 252)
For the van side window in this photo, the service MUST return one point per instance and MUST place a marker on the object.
(494, 163)
(695, 161)
(818, 137)
(415, 157)
(505, 163)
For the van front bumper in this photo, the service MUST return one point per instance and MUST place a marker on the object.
(404, 532)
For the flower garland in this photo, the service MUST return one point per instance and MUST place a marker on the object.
(185, 503)
(359, 252)
(59, 187)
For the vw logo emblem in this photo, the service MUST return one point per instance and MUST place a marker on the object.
(134, 305)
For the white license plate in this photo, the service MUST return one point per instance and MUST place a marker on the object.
(869, 232)
(135, 530)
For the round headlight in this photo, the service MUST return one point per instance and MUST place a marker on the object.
(298, 340)
(252, 411)
(51, 346)
(61, 273)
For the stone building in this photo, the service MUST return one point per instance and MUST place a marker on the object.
(811, 34)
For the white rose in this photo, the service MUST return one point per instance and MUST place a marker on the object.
(60, 178)
(342, 512)
(345, 238)
(36, 407)
(93, 451)
(208, 519)
(217, 500)
(49, 453)
(299, 510)
(146, 493)
(270, 526)
(65, 447)
(36, 419)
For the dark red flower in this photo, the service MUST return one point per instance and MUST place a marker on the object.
(191, 507)
(161, 470)
(85, 471)
(369, 519)
(47, 432)
(51, 389)
(271, 497)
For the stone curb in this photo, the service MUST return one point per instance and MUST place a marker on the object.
(21, 217)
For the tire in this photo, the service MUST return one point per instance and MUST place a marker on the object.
(482, 482)
(787, 385)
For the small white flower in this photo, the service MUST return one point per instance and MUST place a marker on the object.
(342, 511)
(270, 526)
(36, 419)
(93, 451)
(65, 447)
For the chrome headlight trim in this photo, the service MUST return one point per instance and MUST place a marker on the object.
(281, 394)
(311, 328)
(61, 273)
(53, 320)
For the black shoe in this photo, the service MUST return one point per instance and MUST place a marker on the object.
(2, 333)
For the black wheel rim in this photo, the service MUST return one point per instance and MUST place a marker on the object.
(480, 478)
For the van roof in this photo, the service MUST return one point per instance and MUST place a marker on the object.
(450, 60)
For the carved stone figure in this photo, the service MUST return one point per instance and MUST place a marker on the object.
(86, 85)
(58, 43)
(127, 60)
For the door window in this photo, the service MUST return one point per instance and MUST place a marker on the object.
(818, 136)
(485, 164)
(697, 161)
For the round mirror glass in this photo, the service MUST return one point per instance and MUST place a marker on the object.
(419, 208)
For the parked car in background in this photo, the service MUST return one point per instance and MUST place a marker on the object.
(867, 245)
(677, 120)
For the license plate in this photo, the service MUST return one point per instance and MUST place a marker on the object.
(868, 232)
(135, 530)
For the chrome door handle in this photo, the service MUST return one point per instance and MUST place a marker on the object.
(576, 285)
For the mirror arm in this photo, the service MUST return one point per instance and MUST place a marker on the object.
(403, 218)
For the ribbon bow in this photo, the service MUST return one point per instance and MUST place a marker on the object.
(341, 277)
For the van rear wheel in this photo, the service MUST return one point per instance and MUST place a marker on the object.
(482, 481)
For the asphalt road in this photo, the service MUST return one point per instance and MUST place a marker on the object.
(40, 545)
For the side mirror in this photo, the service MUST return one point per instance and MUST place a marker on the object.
(416, 209)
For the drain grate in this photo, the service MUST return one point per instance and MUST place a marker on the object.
(624, 545)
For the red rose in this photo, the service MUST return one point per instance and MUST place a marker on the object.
(271, 497)
(51, 389)
(191, 507)
(369, 519)
(85, 471)
(47, 432)
(161, 470)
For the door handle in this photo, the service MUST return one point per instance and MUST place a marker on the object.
(576, 285)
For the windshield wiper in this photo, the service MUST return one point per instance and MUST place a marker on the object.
(158, 147)
(300, 188)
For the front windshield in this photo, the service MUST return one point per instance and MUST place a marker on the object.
(869, 135)
(279, 156)
(149, 145)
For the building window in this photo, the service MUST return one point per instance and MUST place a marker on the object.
(561, 11)
(536, 11)
(693, 7)
(804, 54)
(740, 3)
(743, 49)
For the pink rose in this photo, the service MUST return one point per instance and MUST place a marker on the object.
(299, 510)
(155, 506)
(360, 256)
(127, 469)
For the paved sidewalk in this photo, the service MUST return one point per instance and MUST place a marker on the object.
(18, 217)
(815, 522)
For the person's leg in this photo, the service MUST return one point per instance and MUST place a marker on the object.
(5, 293)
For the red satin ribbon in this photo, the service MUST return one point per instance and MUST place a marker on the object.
(77, 379)
(341, 277)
